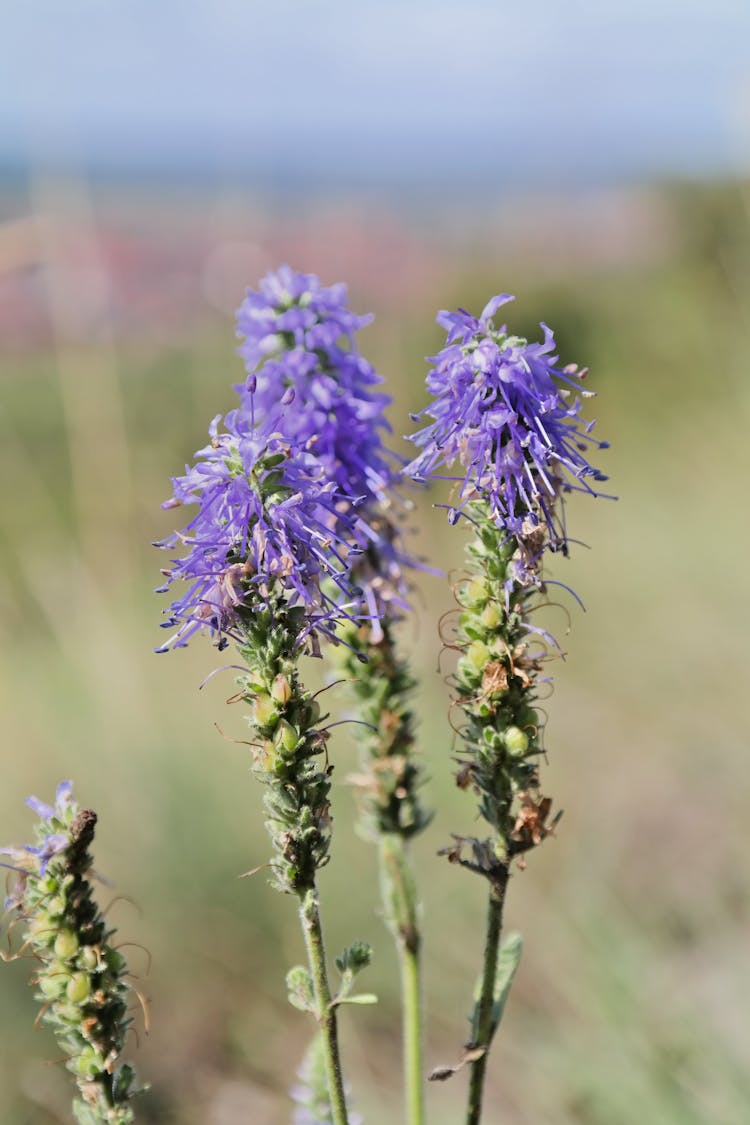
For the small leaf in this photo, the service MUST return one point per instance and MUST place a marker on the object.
(507, 963)
(300, 989)
(355, 957)
(360, 998)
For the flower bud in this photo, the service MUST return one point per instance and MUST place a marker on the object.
(68, 1013)
(264, 712)
(89, 1062)
(465, 670)
(281, 690)
(478, 654)
(55, 906)
(66, 945)
(516, 741)
(491, 616)
(53, 983)
(89, 958)
(475, 593)
(79, 988)
(286, 738)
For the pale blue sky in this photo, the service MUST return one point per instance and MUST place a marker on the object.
(378, 89)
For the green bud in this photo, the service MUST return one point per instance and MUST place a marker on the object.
(66, 945)
(89, 1063)
(264, 712)
(465, 670)
(68, 1013)
(475, 593)
(48, 884)
(516, 741)
(89, 958)
(501, 849)
(54, 982)
(79, 988)
(56, 906)
(281, 689)
(478, 655)
(492, 738)
(286, 738)
(492, 616)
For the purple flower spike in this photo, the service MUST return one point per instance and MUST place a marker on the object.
(307, 381)
(267, 517)
(294, 310)
(504, 409)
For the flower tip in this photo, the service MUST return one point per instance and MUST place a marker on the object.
(63, 792)
(492, 306)
(41, 808)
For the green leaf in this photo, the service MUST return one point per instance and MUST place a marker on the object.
(355, 957)
(300, 989)
(507, 963)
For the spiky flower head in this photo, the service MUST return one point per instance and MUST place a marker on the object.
(510, 415)
(307, 381)
(267, 520)
(80, 976)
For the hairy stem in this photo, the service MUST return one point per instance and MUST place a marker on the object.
(484, 1020)
(400, 903)
(326, 1013)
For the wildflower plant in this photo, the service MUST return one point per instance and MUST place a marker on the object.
(275, 561)
(293, 545)
(504, 412)
(80, 977)
(307, 380)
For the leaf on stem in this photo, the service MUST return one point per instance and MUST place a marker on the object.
(507, 963)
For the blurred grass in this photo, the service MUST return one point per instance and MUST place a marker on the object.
(631, 999)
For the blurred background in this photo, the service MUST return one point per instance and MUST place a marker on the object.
(156, 159)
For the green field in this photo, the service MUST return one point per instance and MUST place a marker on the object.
(631, 1002)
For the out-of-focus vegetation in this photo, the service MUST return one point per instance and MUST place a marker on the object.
(631, 1001)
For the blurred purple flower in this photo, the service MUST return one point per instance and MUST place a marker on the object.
(503, 408)
(51, 840)
(293, 309)
(266, 517)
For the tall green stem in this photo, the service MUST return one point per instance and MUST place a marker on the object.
(311, 926)
(400, 902)
(484, 1015)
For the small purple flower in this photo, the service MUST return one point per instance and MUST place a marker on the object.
(267, 517)
(294, 310)
(52, 841)
(503, 409)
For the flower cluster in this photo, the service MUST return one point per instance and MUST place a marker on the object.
(294, 490)
(80, 976)
(307, 380)
(503, 408)
(267, 516)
